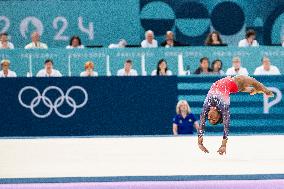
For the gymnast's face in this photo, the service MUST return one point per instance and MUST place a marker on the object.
(213, 115)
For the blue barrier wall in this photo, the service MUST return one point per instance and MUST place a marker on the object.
(71, 62)
(114, 106)
(125, 106)
(104, 22)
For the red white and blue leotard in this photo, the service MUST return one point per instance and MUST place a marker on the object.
(219, 97)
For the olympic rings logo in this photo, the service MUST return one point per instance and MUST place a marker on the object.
(53, 105)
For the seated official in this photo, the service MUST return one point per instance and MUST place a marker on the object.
(127, 70)
(4, 42)
(184, 121)
(121, 44)
(237, 68)
(216, 67)
(266, 68)
(203, 67)
(75, 43)
(89, 70)
(162, 69)
(36, 43)
(6, 72)
(170, 40)
(48, 70)
(250, 40)
(149, 41)
(213, 39)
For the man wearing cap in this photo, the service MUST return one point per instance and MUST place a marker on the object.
(6, 72)
(48, 70)
(237, 68)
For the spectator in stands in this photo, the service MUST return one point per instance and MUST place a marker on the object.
(237, 69)
(216, 67)
(249, 41)
(170, 40)
(149, 41)
(48, 70)
(6, 72)
(89, 70)
(266, 68)
(203, 66)
(213, 39)
(127, 70)
(75, 43)
(121, 44)
(184, 121)
(36, 44)
(4, 42)
(162, 69)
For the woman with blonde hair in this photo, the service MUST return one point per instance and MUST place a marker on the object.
(6, 72)
(89, 70)
(184, 121)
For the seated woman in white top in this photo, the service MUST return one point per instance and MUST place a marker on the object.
(149, 41)
(48, 70)
(6, 72)
(75, 43)
(89, 70)
(127, 70)
(36, 44)
(249, 41)
(162, 69)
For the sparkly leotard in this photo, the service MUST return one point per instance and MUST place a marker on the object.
(219, 97)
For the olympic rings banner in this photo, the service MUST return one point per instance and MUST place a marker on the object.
(101, 22)
(86, 106)
(49, 104)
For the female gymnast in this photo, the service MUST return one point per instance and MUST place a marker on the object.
(217, 103)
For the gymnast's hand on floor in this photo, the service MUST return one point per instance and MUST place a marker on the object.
(222, 149)
(200, 145)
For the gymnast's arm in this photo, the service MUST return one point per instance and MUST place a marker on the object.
(203, 116)
(251, 85)
(225, 108)
(201, 128)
